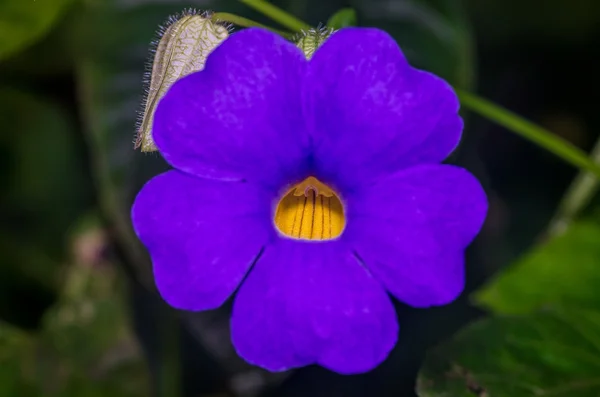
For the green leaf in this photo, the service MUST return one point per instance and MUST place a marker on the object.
(544, 354)
(434, 34)
(46, 58)
(23, 22)
(563, 271)
(342, 18)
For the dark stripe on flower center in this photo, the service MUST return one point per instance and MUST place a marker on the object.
(311, 211)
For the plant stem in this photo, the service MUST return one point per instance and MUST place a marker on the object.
(577, 197)
(245, 22)
(278, 15)
(536, 134)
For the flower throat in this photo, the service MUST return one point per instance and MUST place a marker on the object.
(310, 210)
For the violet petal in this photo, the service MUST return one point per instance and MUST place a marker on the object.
(312, 303)
(241, 117)
(202, 235)
(371, 113)
(411, 230)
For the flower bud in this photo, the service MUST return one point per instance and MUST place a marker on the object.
(309, 41)
(184, 44)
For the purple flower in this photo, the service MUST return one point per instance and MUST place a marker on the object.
(312, 260)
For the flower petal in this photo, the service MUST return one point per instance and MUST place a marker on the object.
(411, 230)
(202, 235)
(372, 114)
(239, 118)
(306, 303)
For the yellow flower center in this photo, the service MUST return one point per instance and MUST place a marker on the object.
(310, 210)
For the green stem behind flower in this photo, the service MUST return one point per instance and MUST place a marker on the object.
(245, 22)
(278, 15)
(578, 196)
(530, 131)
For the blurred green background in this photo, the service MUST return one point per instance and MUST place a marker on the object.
(78, 312)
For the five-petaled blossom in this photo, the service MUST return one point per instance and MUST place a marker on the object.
(312, 189)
